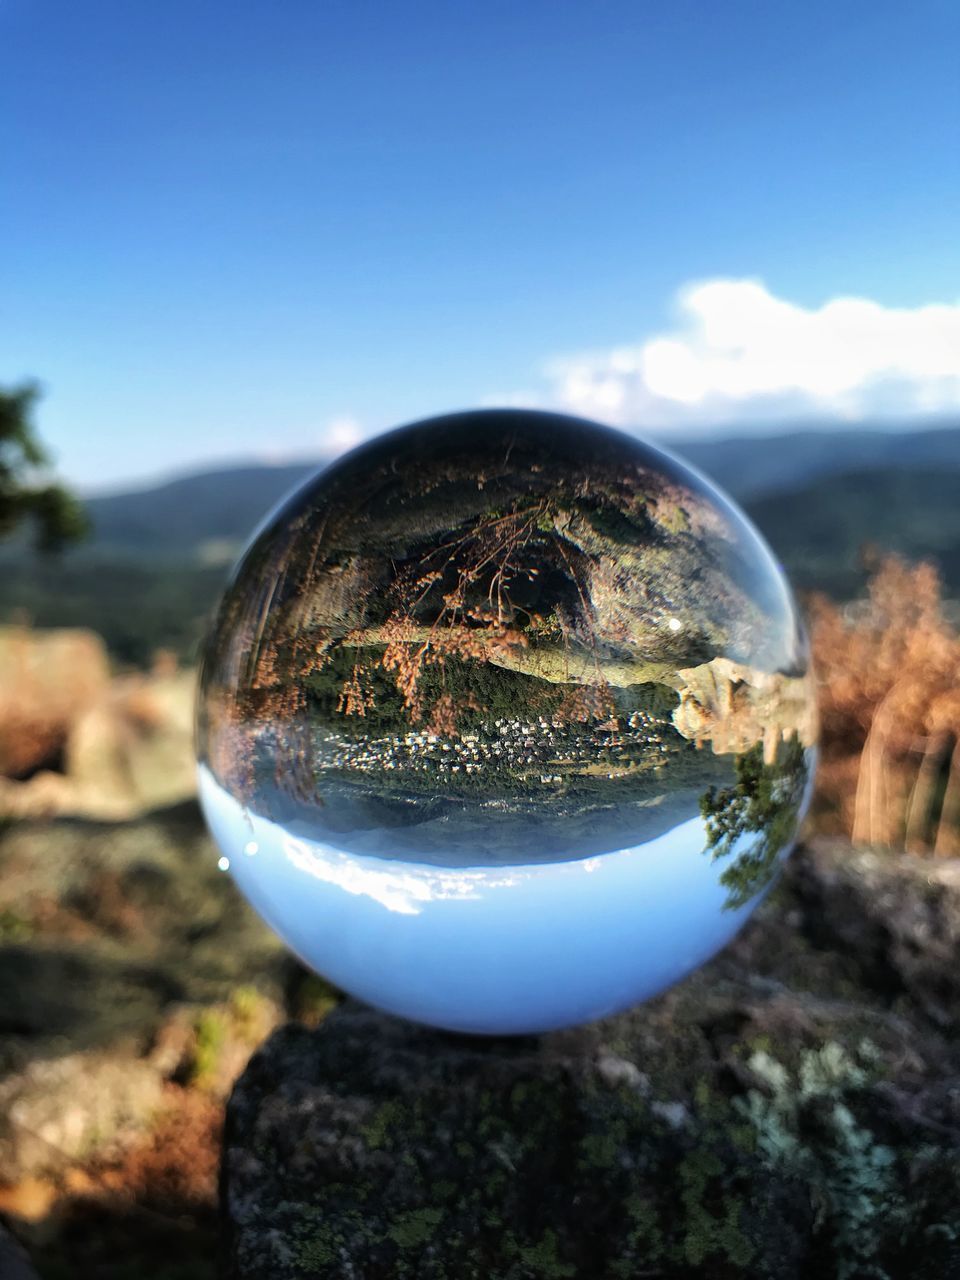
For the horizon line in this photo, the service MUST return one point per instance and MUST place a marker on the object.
(669, 437)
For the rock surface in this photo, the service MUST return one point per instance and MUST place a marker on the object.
(73, 741)
(126, 959)
(14, 1264)
(47, 680)
(790, 1111)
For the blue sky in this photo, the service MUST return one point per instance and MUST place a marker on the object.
(262, 229)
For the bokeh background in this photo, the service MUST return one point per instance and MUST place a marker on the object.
(237, 240)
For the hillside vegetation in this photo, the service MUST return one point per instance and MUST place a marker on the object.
(819, 530)
(151, 573)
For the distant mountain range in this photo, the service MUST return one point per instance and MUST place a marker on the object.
(208, 515)
(820, 528)
(750, 466)
(150, 573)
(204, 516)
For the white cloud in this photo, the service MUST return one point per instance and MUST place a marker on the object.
(742, 354)
(396, 887)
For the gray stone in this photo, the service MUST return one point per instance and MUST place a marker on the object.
(61, 1109)
(14, 1264)
(896, 917)
(788, 1111)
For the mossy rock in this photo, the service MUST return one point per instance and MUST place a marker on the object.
(112, 935)
(786, 1113)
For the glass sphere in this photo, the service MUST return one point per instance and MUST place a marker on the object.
(506, 721)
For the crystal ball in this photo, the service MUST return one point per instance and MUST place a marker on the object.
(506, 721)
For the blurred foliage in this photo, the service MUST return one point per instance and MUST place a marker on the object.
(818, 528)
(28, 496)
(890, 713)
(137, 608)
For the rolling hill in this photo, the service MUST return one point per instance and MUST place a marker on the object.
(819, 528)
(208, 515)
(753, 466)
(150, 574)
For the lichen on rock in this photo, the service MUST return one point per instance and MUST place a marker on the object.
(786, 1112)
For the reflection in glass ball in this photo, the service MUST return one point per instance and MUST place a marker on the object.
(505, 722)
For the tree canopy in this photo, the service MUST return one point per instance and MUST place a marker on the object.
(765, 800)
(29, 496)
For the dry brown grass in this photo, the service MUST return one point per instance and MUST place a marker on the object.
(889, 677)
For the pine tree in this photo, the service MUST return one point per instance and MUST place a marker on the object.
(28, 494)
